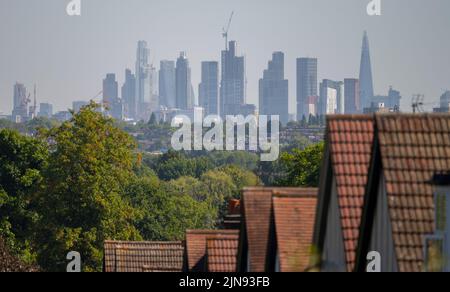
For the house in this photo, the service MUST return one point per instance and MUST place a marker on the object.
(347, 157)
(277, 227)
(203, 249)
(122, 256)
(404, 217)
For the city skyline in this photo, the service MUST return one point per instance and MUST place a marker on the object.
(390, 48)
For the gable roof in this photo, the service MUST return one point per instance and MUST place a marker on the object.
(257, 240)
(222, 252)
(196, 244)
(294, 224)
(413, 149)
(123, 256)
(349, 142)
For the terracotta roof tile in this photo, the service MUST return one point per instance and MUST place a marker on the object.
(294, 225)
(196, 241)
(413, 149)
(351, 141)
(222, 253)
(122, 256)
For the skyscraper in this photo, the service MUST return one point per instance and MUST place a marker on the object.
(306, 84)
(352, 96)
(331, 97)
(167, 89)
(184, 91)
(78, 105)
(153, 102)
(129, 94)
(233, 83)
(111, 96)
(209, 88)
(365, 75)
(45, 110)
(274, 89)
(20, 111)
(143, 93)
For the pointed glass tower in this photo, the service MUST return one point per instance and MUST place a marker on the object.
(365, 74)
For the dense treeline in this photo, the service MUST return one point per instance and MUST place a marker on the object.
(73, 185)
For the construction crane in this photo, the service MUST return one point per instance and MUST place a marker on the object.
(226, 30)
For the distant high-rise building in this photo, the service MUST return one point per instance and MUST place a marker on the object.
(78, 105)
(444, 105)
(391, 102)
(143, 90)
(274, 90)
(331, 96)
(167, 89)
(129, 94)
(209, 88)
(20, 110)
(352, 96)
(111, 97)
(233, 83)
(306, 84)
(153, 102)
(45, 110)
(365, 75)
(183, 88)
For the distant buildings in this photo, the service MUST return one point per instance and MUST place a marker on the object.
(352, 96)
(365, 77)
(306, 84)
(209, 88)
(183, 86)
(444, 103)
(45, 110)
(233, 82)
(111, 99)
(274, 90)
(129, 94)
(331, 97)
(143, 91)
(78, 105)
(389, 103)
(21, 100)
(167, 89)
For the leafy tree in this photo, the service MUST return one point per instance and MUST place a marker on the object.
(302, 167)
(22, 160)
(241, 178)
(81, 204)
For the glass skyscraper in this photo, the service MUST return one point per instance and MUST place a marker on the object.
(306, 84)
(209, 88)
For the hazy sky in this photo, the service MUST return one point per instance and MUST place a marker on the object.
(67, 57)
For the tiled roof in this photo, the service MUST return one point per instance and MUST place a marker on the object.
(259, 223)
(350, 139)
(257, 209)
(122, 256)
(196, 241)
(413, 149)
(222, 253)
(294, 223)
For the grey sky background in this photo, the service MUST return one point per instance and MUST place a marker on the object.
(67, 57)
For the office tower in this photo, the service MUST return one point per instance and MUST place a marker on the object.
(312, 106)
(233, 83)
(153, 102)
(209, 88)
(306, 84)
(331, 96)
(167, 89)
(183, 86)
(444, 105)
(142, 91)
(21, 100)
(111, 99)
(45, 110)
(365, 75)
(352, 96)
(129, 94)
(274, 90)
(390, 102)
(78, 105)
